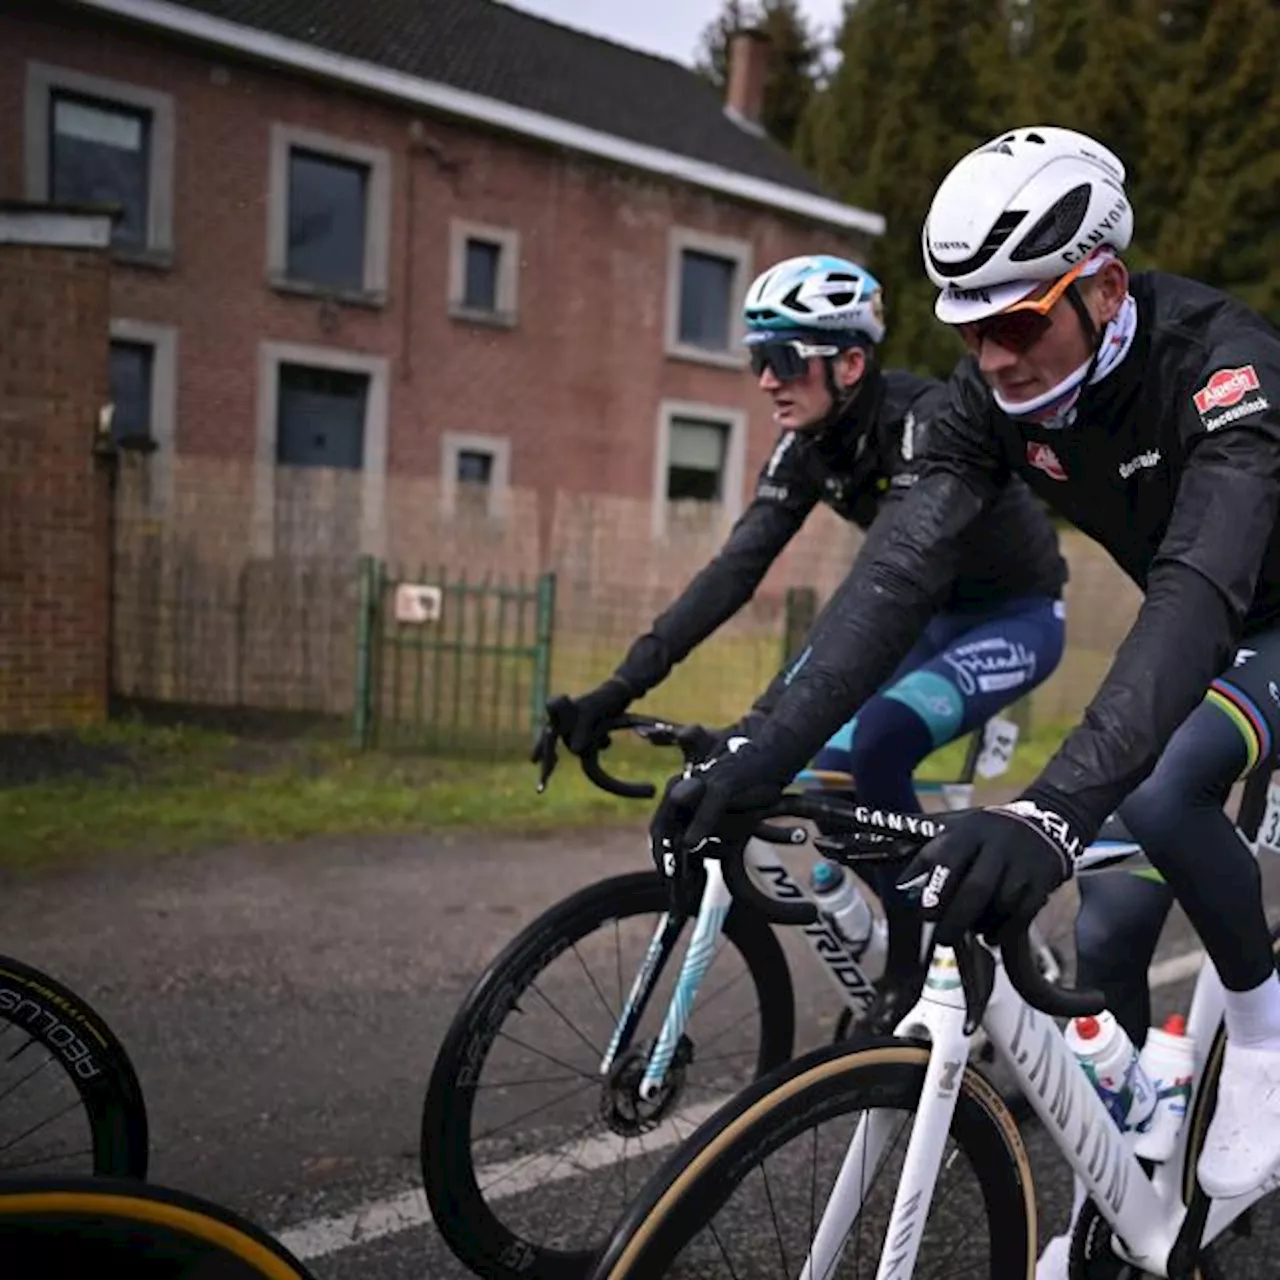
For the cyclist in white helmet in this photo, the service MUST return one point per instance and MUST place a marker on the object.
(1143, 408)
(850, 432)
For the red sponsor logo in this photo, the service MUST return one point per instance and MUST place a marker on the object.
(1226, 387)
(1040, 455)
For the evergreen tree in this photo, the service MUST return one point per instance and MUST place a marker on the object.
(1211, 202)
(792, 59)
(920, 83)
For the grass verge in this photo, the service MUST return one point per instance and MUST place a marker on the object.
(134, 788)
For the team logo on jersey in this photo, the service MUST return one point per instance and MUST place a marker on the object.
(1226, 387)
(1042, 456)
(1222, 398)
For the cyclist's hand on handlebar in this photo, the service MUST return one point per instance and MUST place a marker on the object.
(714, 799)
(580, 721)
(992, 868)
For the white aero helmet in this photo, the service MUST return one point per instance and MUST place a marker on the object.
(818, 293)
(1026, 207)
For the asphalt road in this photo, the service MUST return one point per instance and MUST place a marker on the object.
(283, 1007)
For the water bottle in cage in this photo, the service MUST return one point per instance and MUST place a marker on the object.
(848, 912)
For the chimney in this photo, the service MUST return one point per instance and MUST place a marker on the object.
(748, 58)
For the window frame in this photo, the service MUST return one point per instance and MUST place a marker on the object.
(453, 443)
(506, 302)
(271, 355)
(731, 504)
(44, 80)
(738, 252)
(377, 222)
(163, 341)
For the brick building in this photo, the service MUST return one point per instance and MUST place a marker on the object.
(445, 240)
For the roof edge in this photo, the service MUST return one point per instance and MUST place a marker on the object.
(490, 111)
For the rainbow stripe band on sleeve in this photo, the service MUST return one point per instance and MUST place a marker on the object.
(1243, 712)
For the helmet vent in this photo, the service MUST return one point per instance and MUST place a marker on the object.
(792, 300)
(999, 233)
(1056, 228)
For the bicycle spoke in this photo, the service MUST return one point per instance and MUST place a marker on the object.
(511, 1169)
(21, 1080)
(506, 1124)
(35, 1128)
(773, 1213)
(724, 1253)
(516, 1084)
(595, 986)
(576, 1072)
(551, 1004)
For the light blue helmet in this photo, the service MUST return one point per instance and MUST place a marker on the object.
(818, 294)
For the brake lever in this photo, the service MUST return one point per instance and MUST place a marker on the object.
(977, 980)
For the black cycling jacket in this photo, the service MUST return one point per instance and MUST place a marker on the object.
(1172, 462)
(860, 465)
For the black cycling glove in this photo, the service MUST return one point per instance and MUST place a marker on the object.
(993, 868)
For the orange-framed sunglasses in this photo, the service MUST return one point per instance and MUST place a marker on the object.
(1019, 327)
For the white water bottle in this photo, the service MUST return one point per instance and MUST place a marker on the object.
(848, 912)
(1111, 1062)
(1169, 1060)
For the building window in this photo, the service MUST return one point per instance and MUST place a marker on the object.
(475, 466)
(483, 269)
(706, 279)
(706, 299)
(143, 379)
(696, 454)
(90, 140)
(320, 417)
(481, 289)
(98, 154)
(321, 463)
(132, 384)
(476, 471)
(326, 220)
(328, 215)
(699, 458)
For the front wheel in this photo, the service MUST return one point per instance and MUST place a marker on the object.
(744, 1196)
(529, 1154)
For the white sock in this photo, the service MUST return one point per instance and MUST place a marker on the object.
(1253, 1017)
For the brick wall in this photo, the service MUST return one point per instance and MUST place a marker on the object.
(575, 386)
(54, 530)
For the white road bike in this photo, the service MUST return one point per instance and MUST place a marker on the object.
(899, 1116)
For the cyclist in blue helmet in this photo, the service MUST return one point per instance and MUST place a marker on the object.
(850, 432)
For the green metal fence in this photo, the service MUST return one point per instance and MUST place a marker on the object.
(459, 666)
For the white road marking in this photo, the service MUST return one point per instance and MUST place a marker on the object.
(323, 1236)
(389, 1216)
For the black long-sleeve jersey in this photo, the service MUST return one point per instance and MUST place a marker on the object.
(1172, 462)
(865, 462)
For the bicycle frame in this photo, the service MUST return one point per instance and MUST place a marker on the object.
(1145, 1212)
(852, 982)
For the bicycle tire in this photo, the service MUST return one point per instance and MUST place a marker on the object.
(467, 1221)
(78, 1039)
(76, 1226)
(697, 1179)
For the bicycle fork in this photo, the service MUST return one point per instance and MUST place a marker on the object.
(940, 1013)
(703, 946)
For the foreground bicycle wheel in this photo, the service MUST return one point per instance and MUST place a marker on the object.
(70, 1102)
(743, 1198)
(101, 1226)
(529, 1155)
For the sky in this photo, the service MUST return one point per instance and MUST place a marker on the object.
(667, 27)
